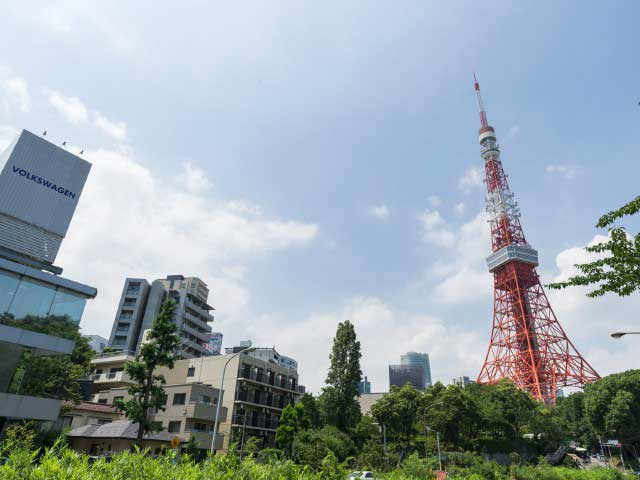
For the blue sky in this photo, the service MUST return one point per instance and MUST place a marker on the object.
(316, 161)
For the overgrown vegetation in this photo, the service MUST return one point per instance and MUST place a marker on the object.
(59, 462)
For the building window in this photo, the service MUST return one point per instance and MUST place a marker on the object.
(205, 399)
(133, 288)
(103, 401)
(103, 421)
(119, 340)
(179, 398)
(174, 426)
(191, 371)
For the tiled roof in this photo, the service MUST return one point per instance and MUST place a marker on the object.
(118, 429)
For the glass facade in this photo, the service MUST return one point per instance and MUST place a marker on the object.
(33, 305)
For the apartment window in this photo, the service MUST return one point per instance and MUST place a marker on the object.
(103, 401)
(191, 371)
(133, 288)
(119, 340)
(174, 426)
(103, 421)
(179, 398)
(129, 302)
(205, 399)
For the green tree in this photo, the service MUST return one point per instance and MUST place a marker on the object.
(399, 411)
(287, 428)
(618, 268)
(146, 391)
(310, 412)
(612, 405)
(338, 400)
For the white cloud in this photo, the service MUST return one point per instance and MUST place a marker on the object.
(471, 179)
(15, 93)
(193, 178)
(381, 212)
(7, 135)
(385, 332)
(71, 108)
(460, 272)
(117, 130)
(132, 222)
(434, 201)
(561, 170)
(459, 209)
(589, 322)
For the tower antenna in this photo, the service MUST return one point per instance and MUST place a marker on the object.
(483, 114)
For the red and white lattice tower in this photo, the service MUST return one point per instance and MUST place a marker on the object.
(528, 345)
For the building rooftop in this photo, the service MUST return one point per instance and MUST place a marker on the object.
(117, 429)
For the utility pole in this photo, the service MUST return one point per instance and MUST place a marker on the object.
(439, 457)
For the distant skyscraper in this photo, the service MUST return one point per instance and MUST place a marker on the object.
(364, 386)
(462, 381)
(422, 359)
(400, 375)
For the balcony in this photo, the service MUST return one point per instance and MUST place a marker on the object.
(264, 379)
(112, 379)
(259, 422)
(204, 411)
(202, 336)
(197, 321)
(199, 310)
(194, 345)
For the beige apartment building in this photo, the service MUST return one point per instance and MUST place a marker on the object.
(256, 389)
(190, 411)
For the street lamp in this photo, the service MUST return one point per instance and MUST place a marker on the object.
(622, 334)
(215, 425)
(426, 430)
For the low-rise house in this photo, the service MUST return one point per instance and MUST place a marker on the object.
(85, 413)
(115, 437)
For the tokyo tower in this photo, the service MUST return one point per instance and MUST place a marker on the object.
(527, 345)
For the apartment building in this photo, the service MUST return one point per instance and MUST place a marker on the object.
(140, 304)
(255, 391)
(190, 411)
(40, 186)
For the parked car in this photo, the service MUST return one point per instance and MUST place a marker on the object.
(361, 476)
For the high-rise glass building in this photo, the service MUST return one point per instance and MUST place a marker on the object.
(364, 386)
(40, 185)
(400, 375)
(422, 359)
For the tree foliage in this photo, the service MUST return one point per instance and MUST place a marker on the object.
(618, 268)
(612, 405)
(146, 392)
(338, 400)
